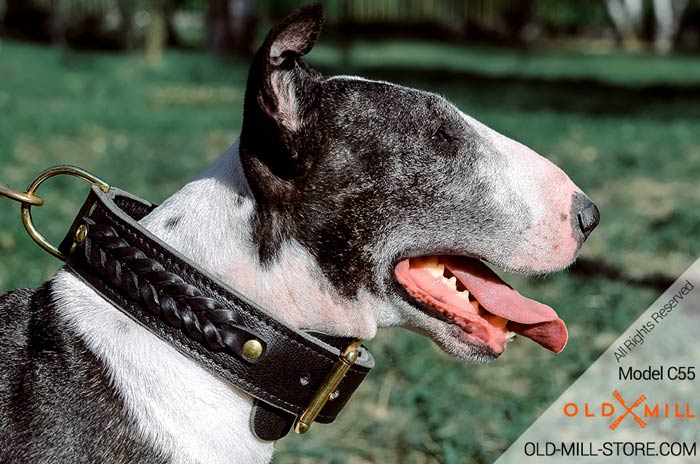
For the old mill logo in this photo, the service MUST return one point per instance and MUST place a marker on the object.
(639, 411)
(628, 410)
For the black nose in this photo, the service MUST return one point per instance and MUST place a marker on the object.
(588, 217)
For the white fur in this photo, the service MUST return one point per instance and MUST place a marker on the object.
(186, 413)
(548, 193)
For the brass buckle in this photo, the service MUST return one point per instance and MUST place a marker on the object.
(326, 392)
(29, 198)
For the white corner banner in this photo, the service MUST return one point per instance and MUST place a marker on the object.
(639, 402)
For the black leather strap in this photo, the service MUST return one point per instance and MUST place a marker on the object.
(203, 318)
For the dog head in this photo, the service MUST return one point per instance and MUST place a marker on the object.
(399, 199)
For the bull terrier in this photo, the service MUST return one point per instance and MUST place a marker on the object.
(346, 205)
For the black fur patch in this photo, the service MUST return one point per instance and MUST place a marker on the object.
(173, 222)
(55, 399)
(373, 172)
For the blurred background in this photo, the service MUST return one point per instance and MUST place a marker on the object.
(146, 93)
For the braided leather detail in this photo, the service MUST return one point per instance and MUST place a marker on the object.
(139, 274)
(163, 293)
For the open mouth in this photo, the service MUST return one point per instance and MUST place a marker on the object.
(465, 292)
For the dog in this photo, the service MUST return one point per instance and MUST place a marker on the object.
(346, 205)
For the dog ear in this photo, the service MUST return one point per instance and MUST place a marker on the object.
(283, 72)
(279, 92)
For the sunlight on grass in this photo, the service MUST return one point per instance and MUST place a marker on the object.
(198, 95)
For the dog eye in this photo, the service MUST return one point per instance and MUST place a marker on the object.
(441, 135)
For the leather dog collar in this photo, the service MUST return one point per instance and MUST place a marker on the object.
(293, 375)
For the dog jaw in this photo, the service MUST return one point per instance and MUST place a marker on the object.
(294, 287)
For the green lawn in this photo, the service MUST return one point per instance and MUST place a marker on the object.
(625, 127)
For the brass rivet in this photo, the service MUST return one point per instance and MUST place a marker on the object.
(302, 427)
(351, 356)
(81, 233)
(252, 349)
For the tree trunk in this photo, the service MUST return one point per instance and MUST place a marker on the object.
(668, 15)
(627, 17)
(126, 11)
(155, 36)
(231, 26)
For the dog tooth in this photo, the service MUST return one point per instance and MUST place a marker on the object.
(452, 283)
(436, 270)
(510, 335)
(464, 294)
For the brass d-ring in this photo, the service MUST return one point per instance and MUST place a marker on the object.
(31, 190)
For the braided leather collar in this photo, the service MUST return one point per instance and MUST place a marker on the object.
(202, 318)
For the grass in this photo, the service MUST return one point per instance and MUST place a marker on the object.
(625, 127)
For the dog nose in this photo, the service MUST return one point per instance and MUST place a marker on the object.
(588, 217)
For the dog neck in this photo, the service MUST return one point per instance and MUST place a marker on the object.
(210, 221)
(187, 414)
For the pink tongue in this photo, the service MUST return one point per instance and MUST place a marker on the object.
(527, 317)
